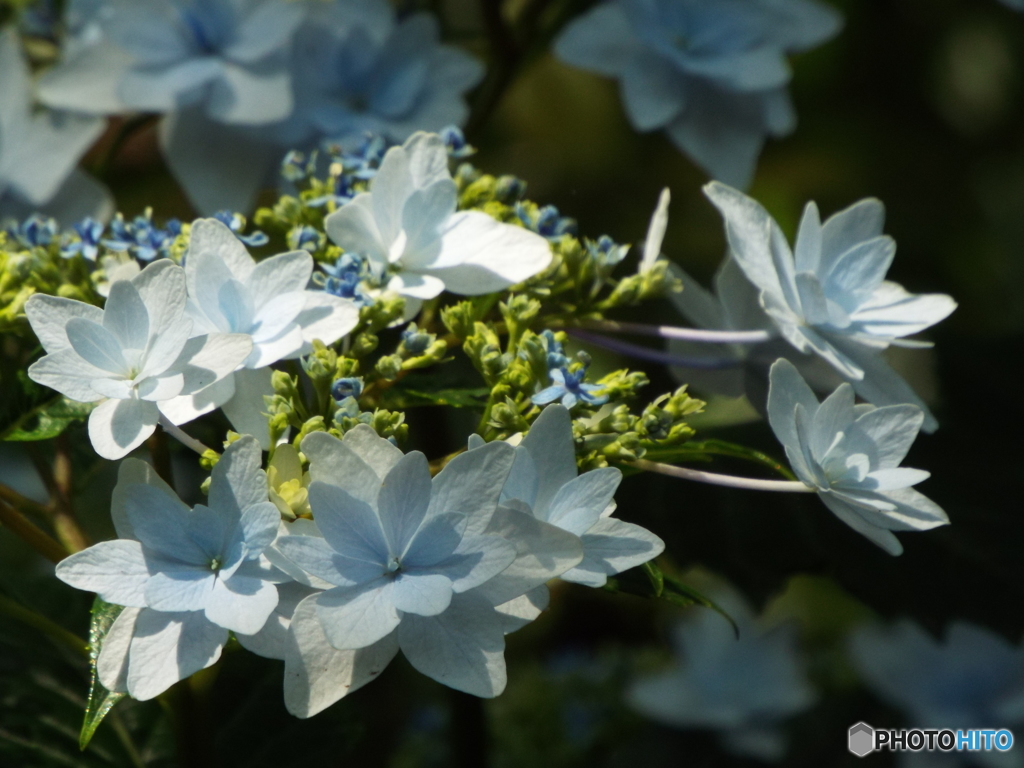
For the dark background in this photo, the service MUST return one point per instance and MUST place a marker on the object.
(917, 102)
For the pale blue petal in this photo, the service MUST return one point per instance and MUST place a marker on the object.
(356, 617)
(653, 92)
(844, 230)
(471, 483)
(523, 480)
(125, 316)
(434, 542)
(66, 372)
(115, 570)
(477, 560)
(168, 647)
(600, 40)
(238, 482)
(425, 594)
(315, 556)
(278, 275)
(580, 502)
(161, 523)
(611, 546)
(833, 416)
(462, 648)
(185, 589)
(851, 515)
(551, 447)
(348, 524)
(118, 427)
(49, 315)
(241, 603)
(403, 500)
(96, 345)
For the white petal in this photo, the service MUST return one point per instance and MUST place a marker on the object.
(656, 231)
(206, 359)
(356, 617)
(471, 483)
(115, 570)
(326, 317)
(66, 372)
(162, 288)
(271, 642)
(354, 228)
(48, 316)
(316, 675)
(135, 472)
(241, 604)
(278, 275)
(112, 662)
(612, 546)
(550, 444)
(184, 408)
(118, 427)
(482, 255)
(580, 502)
(543, 552)
(246, 409)
(169, 647)
(462, 648)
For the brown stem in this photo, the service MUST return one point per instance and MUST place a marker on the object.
(64, 523)
(20, 526)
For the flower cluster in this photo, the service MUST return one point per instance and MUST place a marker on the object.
(711, 73)
(382, 558)
(240, 83)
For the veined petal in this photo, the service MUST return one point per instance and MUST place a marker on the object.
(350, 525)
(425, 594)
(482, 255)
(241, 603)
(462, 648)
(471, 483)
(326, 317)
(96, 345)
(403, 500)
(359, 616)
(49, 315)
(278, 275)
(66, 372)
(125, 315)
(611, 546)
(579, 503)
(354, 228)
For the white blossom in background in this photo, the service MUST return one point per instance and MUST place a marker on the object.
(970, 678)
(40, 149)
(712, 73)
(742, 688)
(545, 484)
(210, 67)
(358, 70)
(130, 357)
(185, 576)
(229, 292)
(434, 568)
(850, 454)
(829, 296)
(408, 229)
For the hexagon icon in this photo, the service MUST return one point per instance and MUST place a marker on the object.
(861, 740)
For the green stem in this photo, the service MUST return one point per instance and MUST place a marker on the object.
(48, 627)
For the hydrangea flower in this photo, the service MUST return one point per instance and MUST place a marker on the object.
(131, 357)
(545, 483)
(141, 237)
(448, 611)
(829, 296)
(186, 576)
(407, 223)
(40, 149)
(228, 292)
(359, 71)
(85, 241)
(570, 388)
(214, 68)
(850, 454)
(972, 678)
(743, 688)
(711, 73)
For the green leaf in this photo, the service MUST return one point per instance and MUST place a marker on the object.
(101, 701)
(48, 420)
(400, 397)
(650, 581)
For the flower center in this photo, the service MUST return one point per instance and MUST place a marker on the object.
(394, 565)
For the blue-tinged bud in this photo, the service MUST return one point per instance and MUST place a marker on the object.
(345, 388)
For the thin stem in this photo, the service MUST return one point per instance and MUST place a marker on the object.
(655, 355)
(65, 524)
(729, 481)
(48, 627)
(180, 435)
(36, 538)
(22, 503)
(682, 334)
